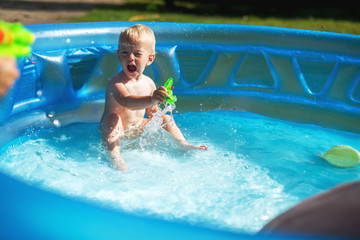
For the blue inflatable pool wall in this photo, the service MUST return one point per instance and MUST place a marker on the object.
(295, 75)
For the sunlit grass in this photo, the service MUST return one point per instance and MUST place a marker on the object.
(142, 10)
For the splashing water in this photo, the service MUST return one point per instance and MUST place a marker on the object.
(152, 130)
(250, 173)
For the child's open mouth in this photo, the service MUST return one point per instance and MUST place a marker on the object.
(131, 68)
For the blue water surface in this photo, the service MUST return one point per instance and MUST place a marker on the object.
(255, 168)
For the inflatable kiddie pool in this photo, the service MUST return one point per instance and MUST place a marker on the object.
(294, 75)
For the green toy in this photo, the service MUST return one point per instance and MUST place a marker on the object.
(342, 156)
(15, 40)
(168, 85)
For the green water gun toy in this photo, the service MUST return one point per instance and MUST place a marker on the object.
(169, 87)
(15, 40)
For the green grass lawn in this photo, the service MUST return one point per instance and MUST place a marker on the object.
(331, 19)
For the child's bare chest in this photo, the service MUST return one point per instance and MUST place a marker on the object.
(138, 88)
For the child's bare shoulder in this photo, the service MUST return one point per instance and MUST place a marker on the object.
(116, 79)
(149, 81)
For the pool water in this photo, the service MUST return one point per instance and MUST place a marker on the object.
(255, 168)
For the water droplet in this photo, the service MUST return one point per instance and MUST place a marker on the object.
(68, 40)
(56, 123)
(39, 93)
(50, 114)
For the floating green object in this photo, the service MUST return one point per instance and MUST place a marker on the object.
(342, 156)
(168, 85)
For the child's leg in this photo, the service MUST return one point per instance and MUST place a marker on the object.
(112, 130)
(170, 126)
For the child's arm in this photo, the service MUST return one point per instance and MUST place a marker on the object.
(123, 97)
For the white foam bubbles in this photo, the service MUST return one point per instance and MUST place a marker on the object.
(245, 178)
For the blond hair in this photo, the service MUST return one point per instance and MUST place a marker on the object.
(138, 33)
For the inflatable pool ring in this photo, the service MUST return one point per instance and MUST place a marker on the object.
(290, 74)
(342, 156)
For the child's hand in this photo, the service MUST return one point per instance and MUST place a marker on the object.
(159, 95)
(186, 144)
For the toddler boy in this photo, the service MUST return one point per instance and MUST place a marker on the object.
(130, 94)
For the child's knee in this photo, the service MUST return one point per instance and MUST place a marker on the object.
(111, 133)
(113, 120)
(166, 119)
(168, 122)
(110, 142)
